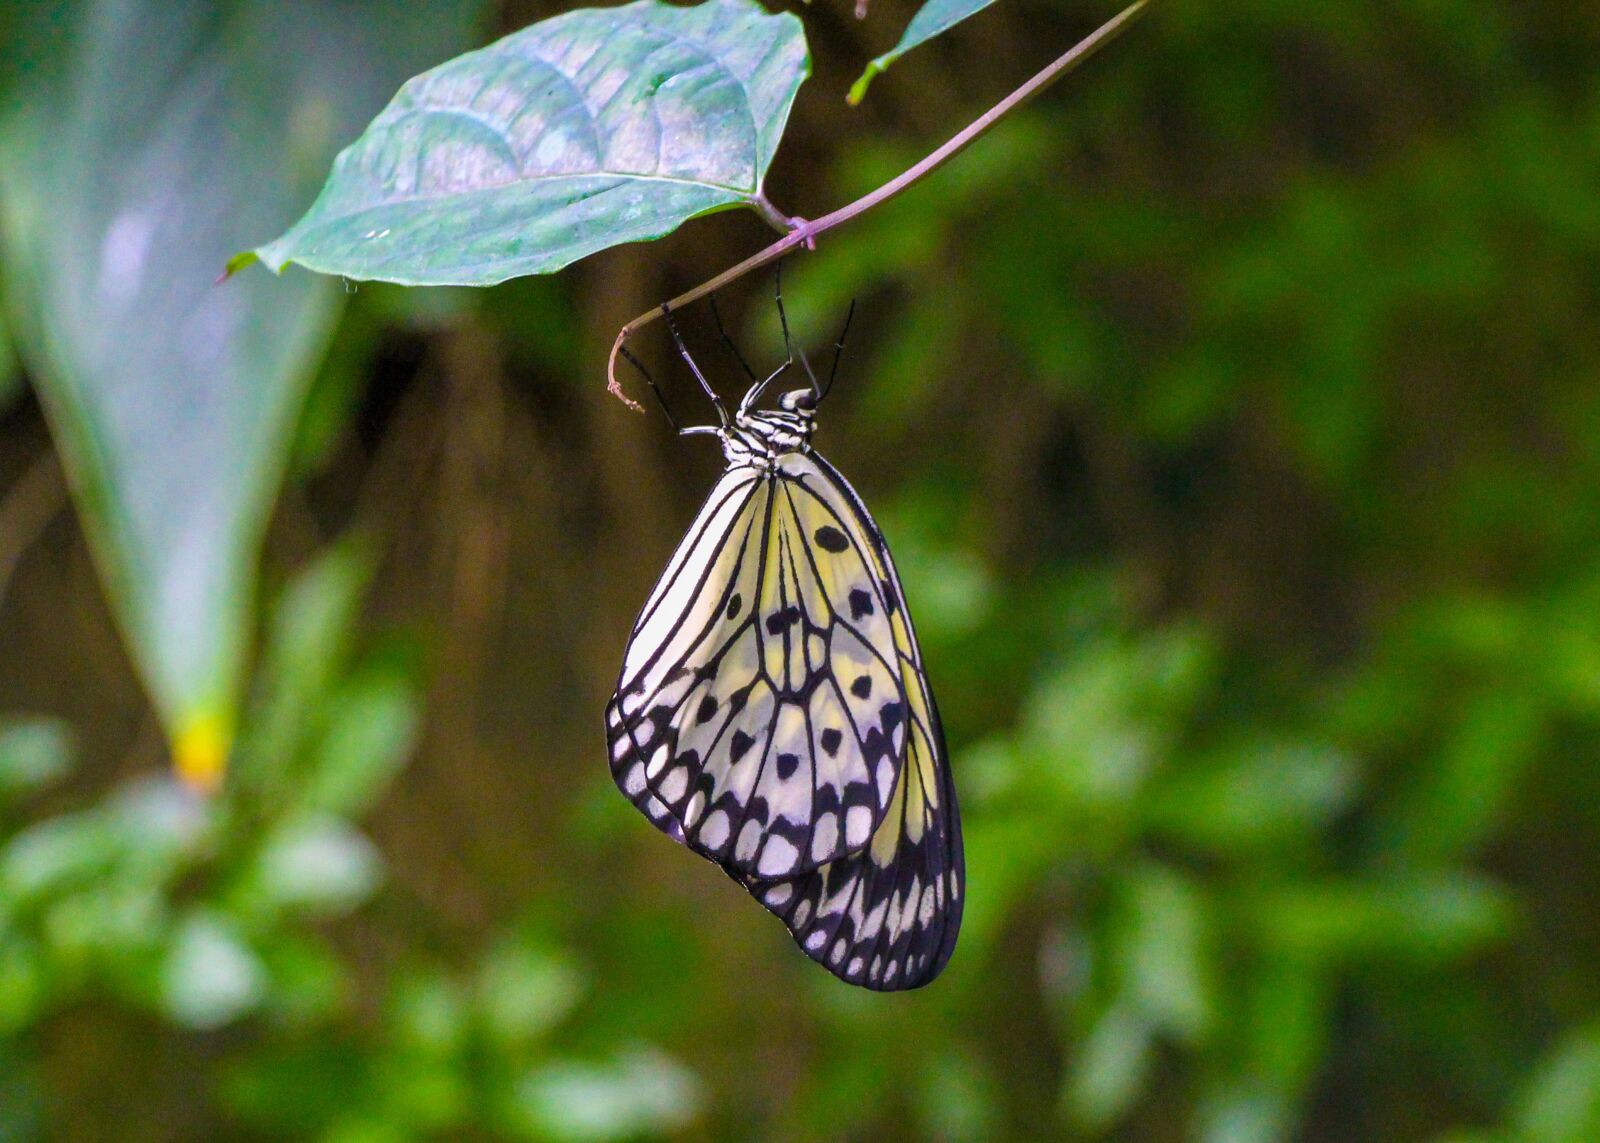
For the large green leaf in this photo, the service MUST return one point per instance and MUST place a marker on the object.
(932, 18)
(143, 138)
(594, 128)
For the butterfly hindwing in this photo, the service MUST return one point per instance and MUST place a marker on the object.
(887, 916)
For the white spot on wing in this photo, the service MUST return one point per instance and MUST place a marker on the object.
(825, 836)
(778, 857)
(857, 826)
(749, 837)
(714, 834)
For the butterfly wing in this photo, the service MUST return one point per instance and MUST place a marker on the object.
(761, 715)
(885, 916)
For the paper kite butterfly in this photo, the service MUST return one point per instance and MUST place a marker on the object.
(773, 714)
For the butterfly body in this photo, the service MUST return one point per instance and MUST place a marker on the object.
(762, 439)
(773, 715)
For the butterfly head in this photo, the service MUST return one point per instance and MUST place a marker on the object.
(803, 401)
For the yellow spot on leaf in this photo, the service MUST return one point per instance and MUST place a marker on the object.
(200, 752)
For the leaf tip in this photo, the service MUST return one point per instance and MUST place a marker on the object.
(238, 262)
(200, 751)
(858, 90)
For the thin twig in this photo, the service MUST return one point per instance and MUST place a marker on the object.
(805, 233)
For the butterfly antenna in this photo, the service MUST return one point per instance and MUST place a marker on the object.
(838, 347)
(716, 316)
(788, 342)
(683, 352)
(651, 381)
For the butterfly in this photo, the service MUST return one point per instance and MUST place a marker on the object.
(773, 714)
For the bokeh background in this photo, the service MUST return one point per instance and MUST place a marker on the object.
(1233, 414)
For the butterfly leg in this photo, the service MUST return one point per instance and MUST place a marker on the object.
(716, 316)
(662, 401)
(683, 352)
(756, 390)
(838, 347)
(788, 342)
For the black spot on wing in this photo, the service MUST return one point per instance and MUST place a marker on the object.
(875, 745)
(787, 765)
(831, 539)
(708, 708)
(862, 687)
(735, 602)
(831, 738)
(739, 744)
(860, 603)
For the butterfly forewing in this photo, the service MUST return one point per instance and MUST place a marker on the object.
(761, 713)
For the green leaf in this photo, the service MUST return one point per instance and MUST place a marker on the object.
(23, 989)
(211, 977)
(1161, 951)
(932, 18)
(1241, 1114)
(307, 648)
(1110, 1069)
(1284, 1002)
(372, 732)
(162, 134)
(642, 1092)
(53, 855)
(1422, 918)
(317, 864)
(1561, 1102)
(524, 992)
(591, 129)
(1254, 792)
(429, 1014)
(33, 752)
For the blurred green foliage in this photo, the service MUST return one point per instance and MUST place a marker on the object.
(1233, 416)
